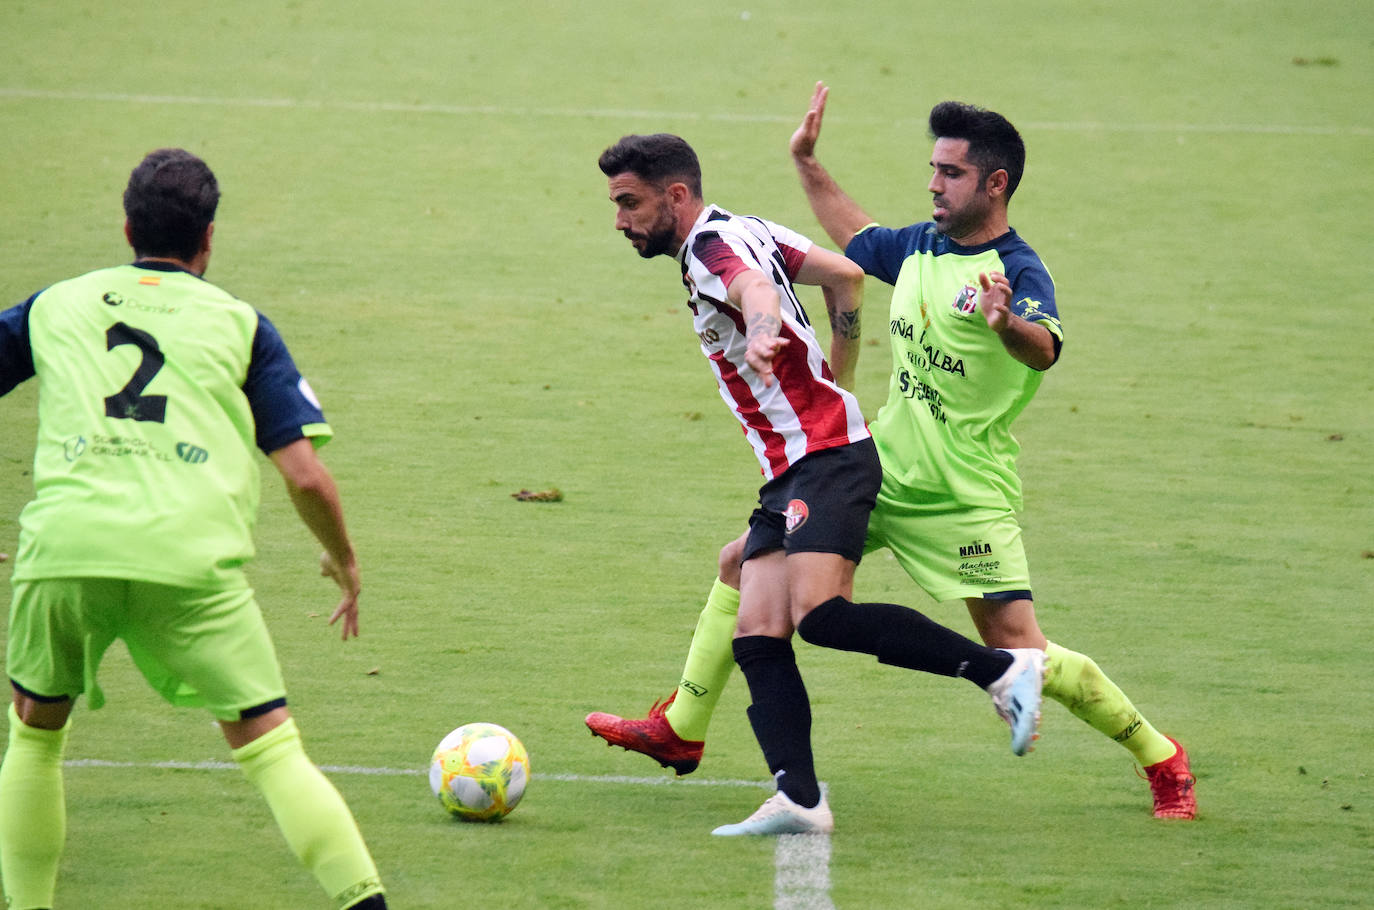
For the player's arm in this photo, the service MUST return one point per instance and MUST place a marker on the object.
(758, 300)
(840, 216)
(842, 284)
(316, 498)
(16, 354)
(1028, 342)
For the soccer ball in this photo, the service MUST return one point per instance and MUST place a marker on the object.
(479, 772)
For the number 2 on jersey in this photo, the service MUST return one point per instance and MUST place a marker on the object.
(129, 403)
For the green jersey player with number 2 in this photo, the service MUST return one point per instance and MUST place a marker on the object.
(155, 386)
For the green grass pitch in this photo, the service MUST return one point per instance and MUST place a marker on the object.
(411, 194)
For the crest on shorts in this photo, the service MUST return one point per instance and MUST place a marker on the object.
(796, 515)
(967, 301)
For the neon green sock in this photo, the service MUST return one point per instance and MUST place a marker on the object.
(710, 658)
(1076, 682)
(311, 814)
(33, 813)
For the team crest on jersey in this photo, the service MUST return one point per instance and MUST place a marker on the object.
(796, 515)
(967, 301)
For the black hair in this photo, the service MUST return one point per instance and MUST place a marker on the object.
(660, 158)
(993, 143)
(170, 201)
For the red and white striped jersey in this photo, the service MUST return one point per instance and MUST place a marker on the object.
(804, 410)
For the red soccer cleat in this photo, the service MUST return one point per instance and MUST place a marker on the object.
(1172, 784)
(653, 736)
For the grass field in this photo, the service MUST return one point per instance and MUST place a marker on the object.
(410, 193)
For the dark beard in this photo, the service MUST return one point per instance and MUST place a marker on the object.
(658, 243)
(659, 240)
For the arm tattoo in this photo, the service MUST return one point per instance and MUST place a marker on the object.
(764, 324)
(846, 325)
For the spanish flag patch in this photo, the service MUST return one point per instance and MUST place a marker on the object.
(151, 279)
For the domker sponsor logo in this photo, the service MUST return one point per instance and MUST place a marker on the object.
(114, 298)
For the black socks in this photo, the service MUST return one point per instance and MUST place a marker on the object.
(902, 637)
(780, 714)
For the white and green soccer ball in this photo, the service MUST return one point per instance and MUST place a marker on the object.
(479, 772)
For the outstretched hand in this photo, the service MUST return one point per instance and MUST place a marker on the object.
(994, 300)
(804, 140)
(347, 578)
(760, 353)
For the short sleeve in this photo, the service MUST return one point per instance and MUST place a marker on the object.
(284, 406)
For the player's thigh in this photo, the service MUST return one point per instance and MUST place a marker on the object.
(813, 578)
(59, 629)
(204, 647)
(952, 552)
(763, 598)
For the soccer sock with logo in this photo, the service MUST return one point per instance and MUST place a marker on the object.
(1075, 681)
(709, 662)
(780, 714)
(33, 813)
(311, 814)
(902, 637)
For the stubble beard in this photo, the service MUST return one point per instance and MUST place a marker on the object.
(658, 240)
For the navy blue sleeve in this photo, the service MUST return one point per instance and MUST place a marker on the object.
(16, 352)
(1032, 289)
(284, 407)
(880, 251)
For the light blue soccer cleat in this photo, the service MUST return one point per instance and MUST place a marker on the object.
(1016, 696)
(779, 815)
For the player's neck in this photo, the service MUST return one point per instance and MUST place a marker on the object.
(687, 218)
(195, 266)
(989, 231)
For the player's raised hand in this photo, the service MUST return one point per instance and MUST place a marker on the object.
(803, 143)
(994, 300)
(349, 582)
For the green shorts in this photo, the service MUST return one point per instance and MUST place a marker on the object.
(952, 550)
(197, 648)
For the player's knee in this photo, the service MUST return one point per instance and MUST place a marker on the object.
(728, 564)
(817, 625)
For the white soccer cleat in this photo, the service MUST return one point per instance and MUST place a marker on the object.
(1016, 696)
(779, 815)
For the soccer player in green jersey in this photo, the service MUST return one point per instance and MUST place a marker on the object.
(154, 388)
(973, 325)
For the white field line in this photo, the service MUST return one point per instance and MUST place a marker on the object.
(801, 862)
(420, 772)
(801, 879)
(469, 110)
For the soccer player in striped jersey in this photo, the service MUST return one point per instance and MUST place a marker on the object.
(819, 464)
(973, 326)
(154, 388)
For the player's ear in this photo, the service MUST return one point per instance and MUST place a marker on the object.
(205, 240)
(997, 182)
(128, 232)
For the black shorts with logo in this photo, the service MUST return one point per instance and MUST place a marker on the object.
(820, 504)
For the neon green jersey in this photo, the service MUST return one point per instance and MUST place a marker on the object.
(153, 387)
(954, 390)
